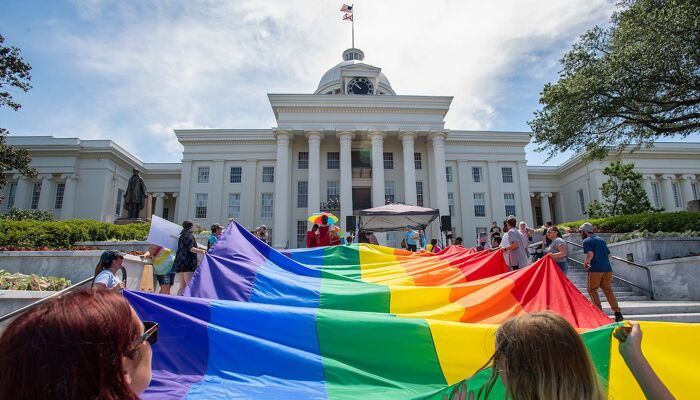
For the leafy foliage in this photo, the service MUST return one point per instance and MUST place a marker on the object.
(622, 193)
(18, 214)
(14, 74)
(63, 234)
(17, 281)
(626, 85)
(680, 221)
(646, 234)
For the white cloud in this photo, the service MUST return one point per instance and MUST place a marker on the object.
(211, 63)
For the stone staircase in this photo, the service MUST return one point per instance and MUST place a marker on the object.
(633, 303)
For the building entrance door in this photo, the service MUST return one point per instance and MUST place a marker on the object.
(361, 198)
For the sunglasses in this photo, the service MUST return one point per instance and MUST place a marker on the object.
(150, 334)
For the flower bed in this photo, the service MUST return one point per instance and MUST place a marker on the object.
(17, 281)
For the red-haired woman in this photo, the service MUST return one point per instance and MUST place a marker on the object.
(84, 345)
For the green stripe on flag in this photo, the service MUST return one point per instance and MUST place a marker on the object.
(392, 358)
(342, 287)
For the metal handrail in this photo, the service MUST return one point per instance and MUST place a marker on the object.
(53, 296)
(650, 290)
(616, 278)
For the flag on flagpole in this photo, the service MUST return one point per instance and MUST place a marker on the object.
(346, 9)
(348, 17)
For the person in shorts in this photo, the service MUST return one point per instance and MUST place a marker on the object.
(162, 260)
(186, 256)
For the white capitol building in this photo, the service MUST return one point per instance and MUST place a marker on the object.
(352, 144)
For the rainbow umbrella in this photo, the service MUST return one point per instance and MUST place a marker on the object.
(316, 218)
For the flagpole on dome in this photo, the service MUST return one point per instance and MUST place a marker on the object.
(352, 21)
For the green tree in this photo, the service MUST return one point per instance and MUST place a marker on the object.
(623, 193)
(14, 74)
(627, 85)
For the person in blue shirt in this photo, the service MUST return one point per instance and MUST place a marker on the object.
(411, 238)
(215, 234)
(597, 264)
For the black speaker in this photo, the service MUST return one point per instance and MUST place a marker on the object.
(350, 222)
(445, 223)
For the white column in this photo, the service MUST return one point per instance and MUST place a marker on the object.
(378, 194)
(409, 168)
(282, 194)
(544, 204)
(314, 183)
(24, 191)
(498, 212)
(467, 198)
(160, 202)
(69, 196)
(183, 209)
(687, 190)
(176, 217)
(45, 194)
(438, 140)
(216, 183)
(526, 205)
(345, 176)
(649, 188)
(667, 192)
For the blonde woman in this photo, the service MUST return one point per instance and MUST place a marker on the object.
(540, 356)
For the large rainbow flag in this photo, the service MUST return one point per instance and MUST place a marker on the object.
(370, 322)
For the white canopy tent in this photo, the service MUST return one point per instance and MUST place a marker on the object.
(395, 217)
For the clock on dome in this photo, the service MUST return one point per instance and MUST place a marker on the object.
(360, 86)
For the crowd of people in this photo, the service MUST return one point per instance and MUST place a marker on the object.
(100, 349)
(91, 345)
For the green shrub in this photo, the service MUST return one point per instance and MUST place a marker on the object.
(61, 234)
(17, 214)
(680, 221)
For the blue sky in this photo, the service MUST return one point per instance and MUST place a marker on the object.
(134, 70)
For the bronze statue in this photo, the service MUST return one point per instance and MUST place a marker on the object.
(134, 198)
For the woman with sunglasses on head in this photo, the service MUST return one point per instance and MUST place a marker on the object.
(83, 345)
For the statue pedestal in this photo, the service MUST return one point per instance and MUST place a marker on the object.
(126, 221)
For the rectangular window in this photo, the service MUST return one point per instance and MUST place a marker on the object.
(507, 173)
(581, 201)
(36, 192)
(657, 202)
(389, 192)
(479, 232)
(236, 175)
(11, 194)
(451, 203)
(476, 174)
(203, 175)
(234, 205)
(200, 205)
(268, 175)
(303, 162)
(333, 191)
(676, 200)
(333, 161)
(388, 160)
(418, 160)
(448, 174)
(509, 201)
(58, 201)
(695, 190)
(266, 206)
(419, 194)
(301, 234)
(302, 194)
(120, 197)
(479, 205)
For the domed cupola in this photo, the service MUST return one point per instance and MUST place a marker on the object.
(353, 77)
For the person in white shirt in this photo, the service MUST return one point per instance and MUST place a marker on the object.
(111, 262)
